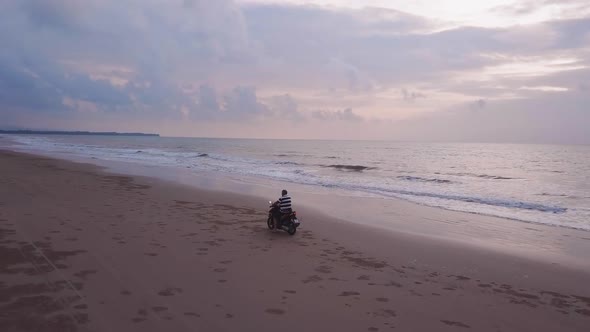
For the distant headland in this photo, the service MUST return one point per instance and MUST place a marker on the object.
(58, 132)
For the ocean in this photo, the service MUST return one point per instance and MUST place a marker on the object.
(544, 184)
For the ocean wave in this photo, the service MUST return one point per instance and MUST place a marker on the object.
(287, 163)
(553, 195)
(545, 205)
(568, 196)
(483, 176)
(292, 154)
(408, 194)
(354, 168)
(420, 179)
(478, 200)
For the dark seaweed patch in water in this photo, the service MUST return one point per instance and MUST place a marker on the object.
(417, 178)
(354, 168)
(287, 163)
(203, 155)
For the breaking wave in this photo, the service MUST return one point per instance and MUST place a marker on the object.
(420, 179)
(354, 168)
(483, 176)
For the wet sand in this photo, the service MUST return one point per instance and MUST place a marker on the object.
(85, 250)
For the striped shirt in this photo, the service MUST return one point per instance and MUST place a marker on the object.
(285, 203)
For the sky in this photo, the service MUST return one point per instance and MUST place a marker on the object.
(513, 71)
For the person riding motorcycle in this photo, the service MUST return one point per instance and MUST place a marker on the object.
(284, 203)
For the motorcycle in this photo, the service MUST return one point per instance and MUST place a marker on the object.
(289, 224)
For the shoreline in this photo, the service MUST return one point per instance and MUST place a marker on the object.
(537, 241)
(130, 165)
(142, 254)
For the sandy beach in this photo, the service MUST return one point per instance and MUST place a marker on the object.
(85, 250)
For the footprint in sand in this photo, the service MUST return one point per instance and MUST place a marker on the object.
(382, 299)
(150, 254)
(275, 311)
(84, 273)
(348, 293)
(324, 269)
(313, 278)
(386, 313)
(170, 291)
(290, 291)
(453, 323)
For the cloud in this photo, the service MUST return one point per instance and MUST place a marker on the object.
(242, 103)
(285, 107)
(199, 61)
(479, 104)
(21, 89)
(207, 99)
(411, 96)
(548, 118)
(558, 8)
(342, 115)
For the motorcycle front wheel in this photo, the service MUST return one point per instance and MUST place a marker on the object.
(270, 223)
(292, 229)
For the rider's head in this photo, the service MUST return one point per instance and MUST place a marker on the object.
(284, 192)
